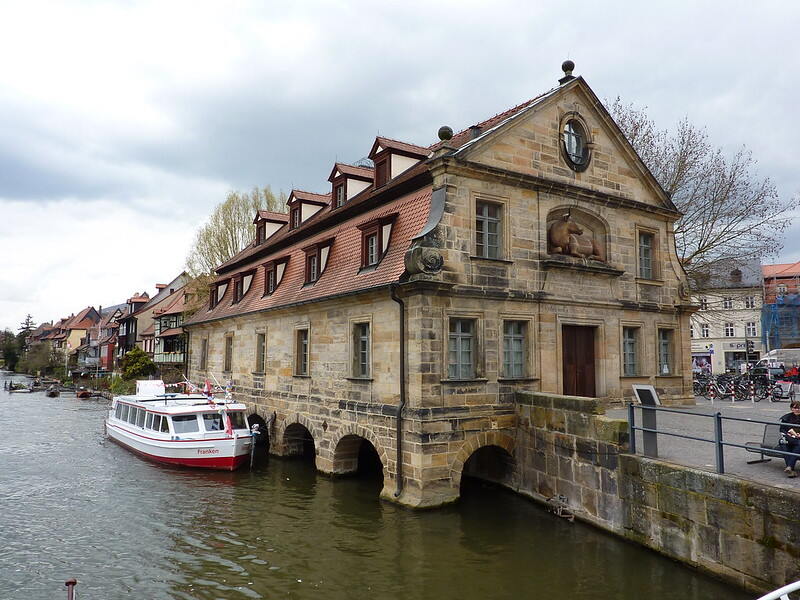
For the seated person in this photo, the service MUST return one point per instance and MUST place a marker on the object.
(790, 437)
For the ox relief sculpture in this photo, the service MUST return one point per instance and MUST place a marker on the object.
(565, 236)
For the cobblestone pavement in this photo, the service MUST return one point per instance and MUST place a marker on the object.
(701, 454)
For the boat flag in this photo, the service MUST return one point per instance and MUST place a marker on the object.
(208, 391)
(228, 425)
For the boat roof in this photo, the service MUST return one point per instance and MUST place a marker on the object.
(180, 403)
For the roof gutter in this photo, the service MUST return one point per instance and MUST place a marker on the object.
(401, 406)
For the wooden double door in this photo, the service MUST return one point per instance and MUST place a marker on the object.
(578, 360)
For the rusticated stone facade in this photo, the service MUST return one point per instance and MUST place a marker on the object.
(468, 297)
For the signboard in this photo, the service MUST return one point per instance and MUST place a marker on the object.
(150, 387)
(646, 394)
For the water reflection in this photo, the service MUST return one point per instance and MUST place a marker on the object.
(75, 504)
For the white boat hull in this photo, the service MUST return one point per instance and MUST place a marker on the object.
(222, 452)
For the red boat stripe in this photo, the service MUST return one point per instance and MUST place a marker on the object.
(165, 440)
(228, 463)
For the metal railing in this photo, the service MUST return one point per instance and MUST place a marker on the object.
(718, 440)
(782, 593)
(169, 357)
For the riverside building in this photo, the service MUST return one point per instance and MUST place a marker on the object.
(403, 309)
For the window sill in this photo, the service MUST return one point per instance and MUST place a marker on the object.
(643, 281)
(669, 376)
(359, 379)
(262, 373)
(301, 376)
(516, 379)
(489, 259)
(634, 376)
(460, 381)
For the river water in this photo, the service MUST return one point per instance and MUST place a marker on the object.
(73, 504)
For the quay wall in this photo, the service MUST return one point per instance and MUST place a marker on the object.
(570, 455)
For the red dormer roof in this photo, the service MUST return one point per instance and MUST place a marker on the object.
(83, 320)
(382, 143)
(272, 217)
(308, 197)
(173, 305)
(364, 173)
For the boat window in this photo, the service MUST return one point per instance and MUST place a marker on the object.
(156, 424)
(164, 425)
(213, 421)
(132, 415)
(185, 423)
(148, 421)
(237, 420)
(124, 416)
(140, 419)
(118, 411)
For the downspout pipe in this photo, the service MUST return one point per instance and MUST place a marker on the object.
(401, 406)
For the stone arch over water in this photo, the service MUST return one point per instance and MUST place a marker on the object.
(488, 455)
(348, 449)
(295, 435)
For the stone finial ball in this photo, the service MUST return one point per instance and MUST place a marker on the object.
(445, 133)
(568, 66)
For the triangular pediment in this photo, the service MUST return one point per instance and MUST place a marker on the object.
(531, 142)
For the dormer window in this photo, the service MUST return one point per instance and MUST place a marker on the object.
(348, 181)
(261, 230)
(339, 195)
(317, 260)
(241, 285)
(273, 274)
(217, 293)
(381, 172)
(375, 237)
(295, 217)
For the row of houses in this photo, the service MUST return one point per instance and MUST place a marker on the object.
(745, 312)
(93, 341)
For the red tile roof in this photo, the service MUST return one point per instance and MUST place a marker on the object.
(268, 215)
(83, 320)
(174, 304)
(309, 197)
(398, 145)
(171, 331)
(344, 169)
(341, 273)
(781, 270)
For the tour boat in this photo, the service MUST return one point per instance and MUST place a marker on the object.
(190, 430)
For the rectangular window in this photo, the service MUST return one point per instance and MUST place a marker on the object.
(750, 302)
(361, 347)
(261, 352)
(461, 354)
(646, 241)
(665, 351)
(703, 303)
(704, 332)
(371, 249)
(164, 425)
(141, 417)
(312, 268)
(487, 230)
(185, 423)
(301, 352)
(729, 330)
(124, 415)
(213, 422)
(260, 232)
(514, 349)
(157, 422)
(203, 354)
(727, 303)
(118, 411)
(630, 362)
(691, 331)
(295, 217)
(381, 172)
(148, 421)
(228, 363)
(340, 195)
(269, 281)
(751, 329)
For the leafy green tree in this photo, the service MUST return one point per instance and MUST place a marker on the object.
(9, 347)
(136, 364)
(38, 359)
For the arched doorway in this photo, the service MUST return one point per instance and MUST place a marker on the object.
(298, 442)
(355, 455)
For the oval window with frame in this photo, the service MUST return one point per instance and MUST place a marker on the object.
(576, 149)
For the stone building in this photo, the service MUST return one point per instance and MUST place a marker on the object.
(403, 310)
(729, 318)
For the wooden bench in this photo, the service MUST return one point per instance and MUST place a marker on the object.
(769, 440)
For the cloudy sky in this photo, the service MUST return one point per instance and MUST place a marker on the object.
(122, 124)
